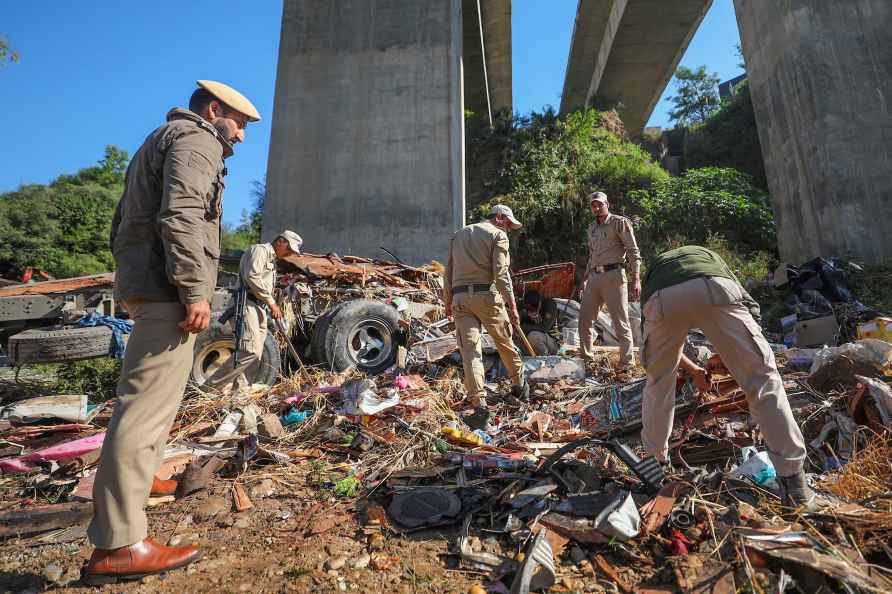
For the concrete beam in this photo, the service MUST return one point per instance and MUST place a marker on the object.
(367, 144)
(629, 50)
(820, 74)
(486, 55)
(593, 33)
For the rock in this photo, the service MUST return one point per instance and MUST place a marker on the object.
(264, 488)
(577, 555)
(361, 561)
(376, 541)
(269, 425)
(53, 573)
(225, 520)
(210, 508)
(336, 562)
(241, 523)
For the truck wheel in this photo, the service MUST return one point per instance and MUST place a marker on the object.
(364, 334)
(216, 345)
(320, 331)
(68, 344)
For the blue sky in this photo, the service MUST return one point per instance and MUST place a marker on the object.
(99, 72)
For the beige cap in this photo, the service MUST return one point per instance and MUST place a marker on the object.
(598, 197)
(231, 97)
(501, 209)
(294, 240)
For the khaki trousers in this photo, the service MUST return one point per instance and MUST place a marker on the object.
(713, 304)
(471, 311)
(153, 377)
(608, 288)
(250, 349)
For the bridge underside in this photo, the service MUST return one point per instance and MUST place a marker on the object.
(624, 52)
(486, 56)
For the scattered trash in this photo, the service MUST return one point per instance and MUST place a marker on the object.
(550, 493)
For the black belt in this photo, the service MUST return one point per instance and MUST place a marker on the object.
(606, 267)
(471, 289)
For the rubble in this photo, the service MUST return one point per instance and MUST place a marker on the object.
(550, 494)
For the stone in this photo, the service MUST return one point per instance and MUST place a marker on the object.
(269, 425)
(225, 520)
(336, 562)
(53, 573)
(265, 488)
(210, 508)
(577, 555)
(241, 523)
(361, 561)
(376, 541)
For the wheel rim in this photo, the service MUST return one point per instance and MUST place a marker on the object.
(370, 343)
(210, 358)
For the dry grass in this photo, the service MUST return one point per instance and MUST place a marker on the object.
(867, 474)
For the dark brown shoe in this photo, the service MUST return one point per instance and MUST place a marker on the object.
(136, 561)
(161, 488)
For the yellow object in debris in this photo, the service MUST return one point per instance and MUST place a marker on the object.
(880, 328)
(459, 437)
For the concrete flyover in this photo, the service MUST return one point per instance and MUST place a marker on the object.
(367, 146)
(624, 52)
(486, 56)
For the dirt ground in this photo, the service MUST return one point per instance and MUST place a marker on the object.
(261, 550)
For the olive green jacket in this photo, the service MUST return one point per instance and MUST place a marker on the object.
(165, 234)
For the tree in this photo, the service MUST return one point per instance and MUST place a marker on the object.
(729, 138)
(544, 166)
(63, 228)
(704, 203)
(696, 96)
(7, 55)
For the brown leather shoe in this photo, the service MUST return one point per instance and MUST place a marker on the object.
(136, 561)
(161, 488)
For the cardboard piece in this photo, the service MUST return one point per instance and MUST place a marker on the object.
(817, 332)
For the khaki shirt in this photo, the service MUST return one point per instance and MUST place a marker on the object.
(611, 243)
(257, 270)
(165, 234)
(478, 255)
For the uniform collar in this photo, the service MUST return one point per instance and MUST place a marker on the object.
(178, 113)
(606, 220)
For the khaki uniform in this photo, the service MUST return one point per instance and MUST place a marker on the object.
(478, 255)
(257, 270)
(609, 243)
(166, 242)
(716, 305)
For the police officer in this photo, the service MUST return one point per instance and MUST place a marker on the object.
(692, 287)
(478, 292)
(257, 273)
(611, 243)
(166, 242)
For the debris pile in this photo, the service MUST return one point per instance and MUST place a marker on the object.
(553, 494)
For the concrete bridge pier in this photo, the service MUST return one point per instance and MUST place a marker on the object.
(820, 74)
(367, 145)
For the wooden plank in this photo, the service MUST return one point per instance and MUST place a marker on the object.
(39, 518)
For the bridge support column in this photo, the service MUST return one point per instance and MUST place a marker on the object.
(820, 75)
(367, 145)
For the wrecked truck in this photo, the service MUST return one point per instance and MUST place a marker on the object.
(340, 312)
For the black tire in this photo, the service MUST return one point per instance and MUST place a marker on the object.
(363, 334)
(320, 331)
(68, 344)
(217, 343)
